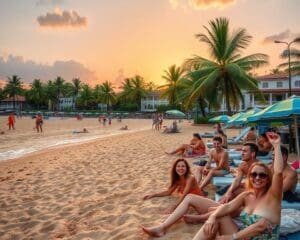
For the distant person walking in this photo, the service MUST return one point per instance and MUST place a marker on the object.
(39, 122)
(11, 121)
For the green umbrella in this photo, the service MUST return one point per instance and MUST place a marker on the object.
(175, 113)
(235, 117)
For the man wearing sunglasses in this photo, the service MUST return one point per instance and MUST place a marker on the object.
(249, 151)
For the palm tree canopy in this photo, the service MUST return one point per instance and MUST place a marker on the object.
(171, 89)
(13, 86)
(107, 94)
(227, 72)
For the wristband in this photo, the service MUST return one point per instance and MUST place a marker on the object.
(234, 237)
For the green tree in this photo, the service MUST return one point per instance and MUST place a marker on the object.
(171, 89)
(85, 98)
(51, 94)
(107, 94)
(227, 72)
(76, 89)
(138, 90)
(13, 88)
(36, 93)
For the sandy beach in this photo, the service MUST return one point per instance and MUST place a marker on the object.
(91, 190)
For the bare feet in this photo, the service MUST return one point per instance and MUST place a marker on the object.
(194, 219)
(153, 232)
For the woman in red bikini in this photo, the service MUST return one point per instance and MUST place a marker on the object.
(195, 148)
(182, 180)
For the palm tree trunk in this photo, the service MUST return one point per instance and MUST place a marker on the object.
(202, 107)
(227, 97)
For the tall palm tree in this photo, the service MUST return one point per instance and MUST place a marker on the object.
(76, 89)
(51, 94)
(295, 59)
(59, 88)
(13, 88)
(36, 93)
(86, 96)
(138, 90)
(227, 72)
(171, 89)
(107, 95)
(126, 89)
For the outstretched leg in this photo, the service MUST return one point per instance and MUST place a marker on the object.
(201, 205)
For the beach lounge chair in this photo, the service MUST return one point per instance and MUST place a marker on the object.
(236, 140)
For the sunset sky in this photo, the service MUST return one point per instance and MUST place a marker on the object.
(99, 40)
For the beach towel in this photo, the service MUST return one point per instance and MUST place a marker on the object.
(290, 221)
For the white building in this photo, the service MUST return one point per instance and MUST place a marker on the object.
(152, 101)
(275, 88)
(66, 103)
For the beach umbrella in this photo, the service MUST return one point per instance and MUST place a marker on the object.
(221, 118)
(235, 117)
(244, 118)
(289, 108)
(176, 113)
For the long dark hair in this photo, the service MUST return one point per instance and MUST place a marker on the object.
(174, 176)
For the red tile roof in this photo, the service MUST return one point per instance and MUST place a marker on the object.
(273, 76)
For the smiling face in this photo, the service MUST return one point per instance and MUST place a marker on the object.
(181, 168)
(259, 177)
(217, 145)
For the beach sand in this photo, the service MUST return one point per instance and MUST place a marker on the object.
(92, 190)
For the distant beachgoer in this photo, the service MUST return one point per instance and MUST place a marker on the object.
(104, 121)
(250, 136)
(196, 147)
(217, 127)
(124, 128)
(39, 122)
(182, 180)
(222, 135)
(99, 119)
(172, 129)
(11, 121)
(160, 121)
(84, 130)
(109, 120)
(264, 146)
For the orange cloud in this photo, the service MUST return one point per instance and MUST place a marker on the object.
(204, 4)
(62, 19)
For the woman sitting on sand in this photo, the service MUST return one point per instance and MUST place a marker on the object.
(222, 135)
(260, 206)
(196, 147)
(182, 180)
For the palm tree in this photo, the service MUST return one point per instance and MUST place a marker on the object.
(227, 73)
(126, 89)
(295, 56)
(107, 94)
(59, 88)
(171, 89)
(51, 94)
(36, 93)
(137, 91)
(86, 96)
(13, 88)
(76, 89)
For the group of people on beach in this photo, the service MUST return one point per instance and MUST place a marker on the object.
(38, 122)
(255, 205)
(157, 121)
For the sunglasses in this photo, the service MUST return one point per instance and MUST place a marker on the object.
(259, 175)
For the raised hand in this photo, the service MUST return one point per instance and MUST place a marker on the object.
(273, 138)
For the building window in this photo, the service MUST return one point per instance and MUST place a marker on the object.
(279, 84)
(265, 85)
(297, 83)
